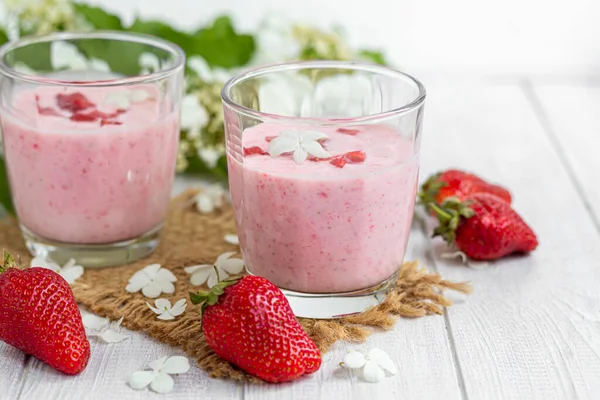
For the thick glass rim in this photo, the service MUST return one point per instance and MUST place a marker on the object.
(149, 40)
(300, 65)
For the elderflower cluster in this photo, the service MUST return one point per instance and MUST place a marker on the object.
(44, 16)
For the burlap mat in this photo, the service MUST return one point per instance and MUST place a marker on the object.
(191, 238)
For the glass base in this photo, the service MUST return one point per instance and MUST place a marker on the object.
(338, 305)
(93, 255)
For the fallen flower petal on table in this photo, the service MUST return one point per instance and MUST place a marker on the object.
(167, 312)
(152, 281)
(70, 271)
(373, 366)
(159, 378)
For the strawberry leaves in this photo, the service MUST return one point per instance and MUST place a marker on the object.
(450, 213)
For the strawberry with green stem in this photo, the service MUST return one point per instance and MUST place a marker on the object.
(248, 322)
(459, 184)
(483, 226)
(39, 315)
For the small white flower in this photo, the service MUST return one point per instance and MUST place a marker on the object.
(193, 116)
(225, 265)
(149, 63)
(139, 95)
(64, 55)
(165, 311)
(210, 156)
(96, 64)
(209, 75)
(118, 99)
(374, 366)
(300, 143)
(70, 271)
(232, 239)
(103, 328)
(159, 378)
(297, 87)
(275, 42)
(152, 280)
(210, 198)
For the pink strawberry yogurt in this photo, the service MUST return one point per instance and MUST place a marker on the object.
(320, 228)
(83, 179)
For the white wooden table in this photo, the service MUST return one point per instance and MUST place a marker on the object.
(531, 330)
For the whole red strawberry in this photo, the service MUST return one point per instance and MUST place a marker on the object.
(484, 227)
(249, 323)
(39, 315)
(459, 184)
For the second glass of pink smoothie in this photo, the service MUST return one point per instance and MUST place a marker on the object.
(90, 135)
(323, 162)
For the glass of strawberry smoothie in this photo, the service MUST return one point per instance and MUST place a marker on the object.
(323, 162)
(90, 131)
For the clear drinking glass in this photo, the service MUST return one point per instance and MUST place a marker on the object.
(90, 128)
(323, 162)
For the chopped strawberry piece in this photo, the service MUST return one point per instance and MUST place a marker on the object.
(81, 117)
(254, 150)
(355, 156)
(348, 131)
(269, 138)
(45, 110)
(338, 162)
(73, 102)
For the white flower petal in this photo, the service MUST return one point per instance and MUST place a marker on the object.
(204, 204)
(209, 156)
(71, 263)
(162, 383)
(162, 304)
(232, 266)
(453, 255)
(199, 65)
(154, 309)
(309, 136)
(282, 144)
(165, 275)
(137, 281)
(383, 360)
(119, 100)
(149, 61)
(110, 336)
(193, 113)
(315, 149)
(354, 359)
(151, 270)
(178, 308)
(212, 279)
(152, 290)
(166, 286)
(141, 379)
(72, 274)
(94, 322)
(117, 324)
(200, 277)
(64, 55)
(224, 257)
(195, 268)
(232, 239)
(45, 263)
(300, 155)
(176, 365)
(372, 372)
(166, 316)
(157, 365)
(139, 95)
(97, 64)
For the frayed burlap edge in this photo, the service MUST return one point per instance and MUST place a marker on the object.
(190, 238)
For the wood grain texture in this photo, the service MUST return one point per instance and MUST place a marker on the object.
(531, 329)
(12, 370)
(419, 347)
(109, 370)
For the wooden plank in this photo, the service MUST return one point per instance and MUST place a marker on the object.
(12, 370)
(419, 347)
(109, 370)
(530, 330)
(570, 116)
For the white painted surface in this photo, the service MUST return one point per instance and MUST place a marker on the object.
(509, 36)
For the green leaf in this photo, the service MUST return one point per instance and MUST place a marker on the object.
(374, 56)
(98, 17)
(122, 57)
(36, 57)
(3, 36)
(221, 46)
(164, 31)
(5, 197)
(199, 297)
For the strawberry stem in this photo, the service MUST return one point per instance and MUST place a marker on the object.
(8, 261)
(450, 214)
(429, 190)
